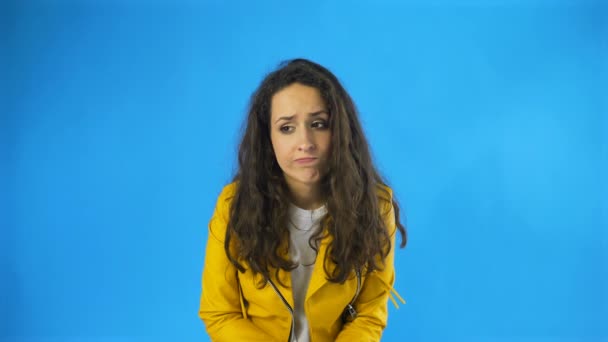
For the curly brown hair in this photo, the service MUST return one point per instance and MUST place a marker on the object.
(257, 230)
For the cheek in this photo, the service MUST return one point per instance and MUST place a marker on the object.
(325, 144)
(282, 156)
(281, 152)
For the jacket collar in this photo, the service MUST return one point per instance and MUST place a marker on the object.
(318, 278)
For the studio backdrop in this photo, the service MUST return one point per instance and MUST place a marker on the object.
(119, 122)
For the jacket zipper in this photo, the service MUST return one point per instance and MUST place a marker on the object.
(350, 308)
(358, 287)
(292, 330)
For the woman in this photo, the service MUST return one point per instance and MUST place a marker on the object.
(301, 243)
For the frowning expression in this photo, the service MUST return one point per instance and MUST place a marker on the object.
(300, 133)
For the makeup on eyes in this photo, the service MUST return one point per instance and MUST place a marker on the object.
(323, 123)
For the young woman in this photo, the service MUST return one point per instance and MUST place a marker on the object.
(301, 243)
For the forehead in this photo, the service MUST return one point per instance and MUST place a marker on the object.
(296, 99)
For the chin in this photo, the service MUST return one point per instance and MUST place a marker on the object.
(303, 181)
(307, 181)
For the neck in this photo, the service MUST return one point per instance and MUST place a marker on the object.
(306, 196)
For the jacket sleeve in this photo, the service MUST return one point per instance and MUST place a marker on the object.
(220, 302)
(372, 303)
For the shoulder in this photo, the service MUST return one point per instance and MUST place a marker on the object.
(385, 198)
(385, 204)
(384, 192)
(225, 197)
(228, 192)
(221, 214)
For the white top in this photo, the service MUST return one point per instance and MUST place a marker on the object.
(303, 223)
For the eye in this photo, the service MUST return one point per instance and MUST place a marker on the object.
(319, 124)
(286, 129)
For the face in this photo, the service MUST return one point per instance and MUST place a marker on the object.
(300, 135)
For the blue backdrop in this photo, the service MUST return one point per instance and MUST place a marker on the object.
(119, 121)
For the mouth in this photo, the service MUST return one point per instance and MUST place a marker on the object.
(305, 160)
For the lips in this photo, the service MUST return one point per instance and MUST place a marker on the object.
(305, 160)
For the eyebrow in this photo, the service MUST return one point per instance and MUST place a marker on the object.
(288, 118)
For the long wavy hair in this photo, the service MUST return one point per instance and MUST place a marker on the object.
(257, 231)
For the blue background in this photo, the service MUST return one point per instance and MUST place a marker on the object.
(119, 123)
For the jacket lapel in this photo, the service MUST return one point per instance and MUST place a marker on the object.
(286, 290)
(319, 277)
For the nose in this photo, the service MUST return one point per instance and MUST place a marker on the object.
(306, 142)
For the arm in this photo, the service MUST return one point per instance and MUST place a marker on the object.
(220, 305)
(372, 303)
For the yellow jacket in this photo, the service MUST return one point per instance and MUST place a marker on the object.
(234, 309)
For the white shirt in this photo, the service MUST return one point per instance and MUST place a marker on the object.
(302, 225)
